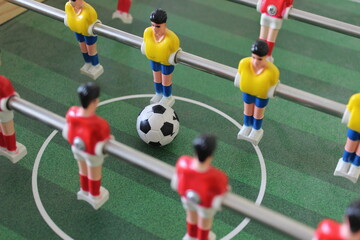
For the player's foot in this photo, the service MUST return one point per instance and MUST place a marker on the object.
(255, 136)
(270, 59)
(353, 173)
(84, 69)
(123, 16)
(212, 236)
(187, 237)
(342, 168)
(156, 98)
(244, 131)
(98, 201)
(82, 195)
(14, 156)
(95, 71)
(167, 101)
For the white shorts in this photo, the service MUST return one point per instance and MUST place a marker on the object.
(272, 22)
(6, 116)
(202, 211)
(91, 160)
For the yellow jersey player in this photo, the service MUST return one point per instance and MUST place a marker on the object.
(160, 46)
(257, 79)
(349, 165)
(80, 17)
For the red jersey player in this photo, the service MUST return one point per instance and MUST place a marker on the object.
(348, 230)
(123, 11)
(87, 133)
(272, 14)
(8, 145)
(201, 187)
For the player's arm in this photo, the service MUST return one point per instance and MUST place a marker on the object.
(175, 48)
(237, 79)
(93, 19)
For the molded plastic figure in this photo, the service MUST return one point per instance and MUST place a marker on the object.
(201, 187)
(272, 14)
(80, 17)
(257, 79)
(348, 230)
(160, 46)
(349, 165)
(87, 133)
(123, 11)
(9, 148)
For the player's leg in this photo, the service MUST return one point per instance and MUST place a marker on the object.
(204, 227)
(156, 67)
(354, 170)
(123, 11)
(249, 104)
(191, 225)
(80, 38)
(348, 156)
(166, 79)
(95, 69)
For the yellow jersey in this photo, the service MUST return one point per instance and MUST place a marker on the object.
(80, 22)
(354, 109)
(254, 84)
(160, 51)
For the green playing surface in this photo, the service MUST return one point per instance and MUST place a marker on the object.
(300, 146)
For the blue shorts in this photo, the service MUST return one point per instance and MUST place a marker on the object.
(89, 40)
(165, 69)
(259, 102)
(353, 135)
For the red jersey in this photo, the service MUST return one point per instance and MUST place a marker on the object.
(6, 89)
(275, 8)
(90, 130)
(206, 185)
(328, 230)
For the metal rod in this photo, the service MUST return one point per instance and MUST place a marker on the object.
(223, 71)
(317, 20)
(119, 150)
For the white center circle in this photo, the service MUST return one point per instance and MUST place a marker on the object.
(63, 235)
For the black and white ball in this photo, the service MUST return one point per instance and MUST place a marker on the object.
(157, 124)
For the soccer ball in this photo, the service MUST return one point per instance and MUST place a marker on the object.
(157, 124)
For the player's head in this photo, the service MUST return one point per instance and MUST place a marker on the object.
(260, 48)
(158, 16)
(88, 92)
(204, 146)
(352, 215)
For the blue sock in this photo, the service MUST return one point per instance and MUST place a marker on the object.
(94, 60)
(167, 90)
(86, 57)
(248, 120)
(257, 123)
(158, 88)
(348, 156)
(356, 161)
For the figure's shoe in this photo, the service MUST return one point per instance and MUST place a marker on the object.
(95, 71)
(255, 136)
(156, 98)
(14, 156)
(123, 16)
(270, 59)
(85, 68)
(98, 201)
(167, 101)
(342, 168)
(82, 195)
(353, 173)
(187, 237)
(212, 236)
(244, 132)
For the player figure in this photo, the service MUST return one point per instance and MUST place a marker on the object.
(87, 133)
(9, 148)
(160, 46)
(201, 187)
(349, 165)
(348, 230)
(80, 17)
(123, 11)
(257, 79)
(272, 14)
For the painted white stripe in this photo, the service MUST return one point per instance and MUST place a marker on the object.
(230, 235)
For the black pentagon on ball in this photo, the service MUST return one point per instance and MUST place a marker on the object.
(156, 144)
(145, 126)
(159, 109)
(167, 129)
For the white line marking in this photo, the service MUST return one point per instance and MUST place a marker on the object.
(230, 235)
